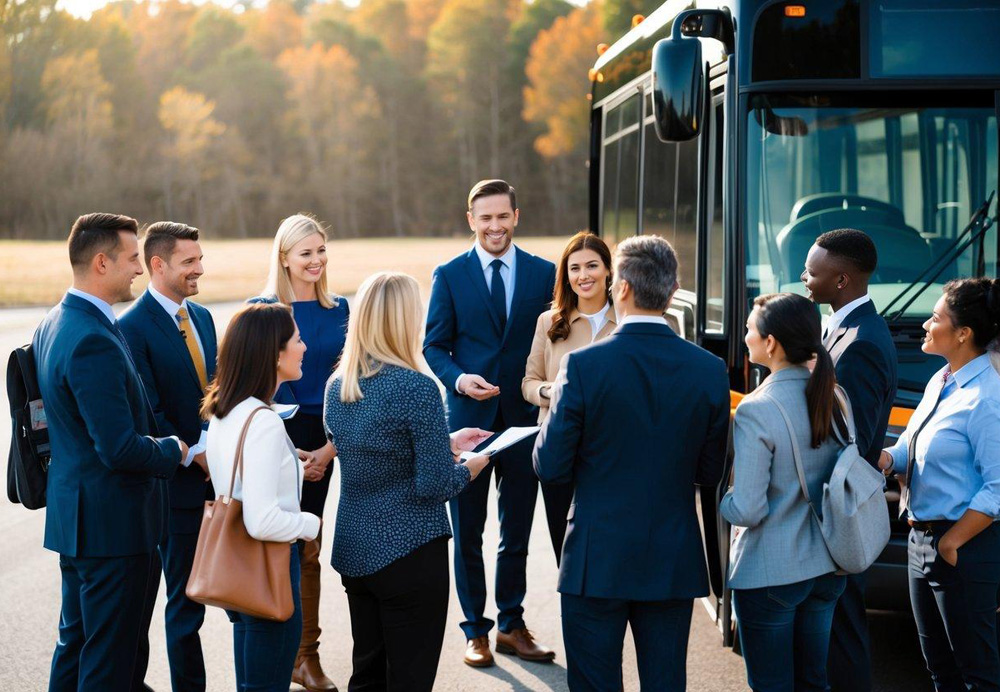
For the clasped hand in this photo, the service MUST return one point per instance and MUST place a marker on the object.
(466, 440)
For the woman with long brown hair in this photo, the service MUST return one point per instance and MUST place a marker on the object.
(260, 351)
(784, 581)
(582, 312)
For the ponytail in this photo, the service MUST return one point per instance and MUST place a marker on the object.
(820, 396)
(794, 322)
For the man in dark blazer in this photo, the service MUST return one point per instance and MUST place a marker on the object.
(104, 511)
(837, 270)
(637, 421)
(480, 323)
(173, 344)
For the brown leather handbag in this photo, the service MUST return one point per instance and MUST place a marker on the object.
(233, 570)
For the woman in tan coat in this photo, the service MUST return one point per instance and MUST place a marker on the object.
(582, 313)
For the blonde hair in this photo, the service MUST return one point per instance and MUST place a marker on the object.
(291, 231)
(385, 328)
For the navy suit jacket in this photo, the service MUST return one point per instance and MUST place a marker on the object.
(103, 499)
(865, 359)
(172, 385)
(464, 336)
(637, 420)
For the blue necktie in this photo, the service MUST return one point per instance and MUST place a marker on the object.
(498, 293)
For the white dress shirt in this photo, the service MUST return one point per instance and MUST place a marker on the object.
(837, 318)
(172, 309)
(642, 319)
(597, 320)
(271, 483)
(509, 260)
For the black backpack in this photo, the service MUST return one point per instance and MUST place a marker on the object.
(28, 463)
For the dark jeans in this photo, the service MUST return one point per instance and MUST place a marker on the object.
(100, 623)
(517, 488)
(594, 632)
(264, 649)
(398, 616)
(955, 609)
(785, 633)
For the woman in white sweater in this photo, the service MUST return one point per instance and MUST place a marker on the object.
(270, 485)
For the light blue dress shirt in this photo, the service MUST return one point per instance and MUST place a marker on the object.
(172, 308)
(957, 464)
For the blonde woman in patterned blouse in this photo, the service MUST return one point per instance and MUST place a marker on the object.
(399, 467)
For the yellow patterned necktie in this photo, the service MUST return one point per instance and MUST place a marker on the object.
(192, 345)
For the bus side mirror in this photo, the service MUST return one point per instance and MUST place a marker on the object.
(679, 72)
(678, 88)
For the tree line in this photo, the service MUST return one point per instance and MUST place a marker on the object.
(376, 117)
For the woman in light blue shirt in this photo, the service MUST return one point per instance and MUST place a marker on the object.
(948, 459)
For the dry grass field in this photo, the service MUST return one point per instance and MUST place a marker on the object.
(38, 273)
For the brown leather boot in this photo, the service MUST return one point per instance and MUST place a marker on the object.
(307, 671)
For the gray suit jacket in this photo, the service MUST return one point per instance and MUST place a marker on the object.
(777, 540)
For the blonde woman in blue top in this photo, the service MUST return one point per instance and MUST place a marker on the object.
(949, 459)
(298, 278)
(398, 468)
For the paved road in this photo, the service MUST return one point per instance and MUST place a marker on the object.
(29, 610)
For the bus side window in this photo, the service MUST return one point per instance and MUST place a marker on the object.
(715, 243)
(620, 162)
(686, 226)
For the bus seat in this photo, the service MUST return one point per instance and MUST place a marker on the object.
(810, 204)
(902, 252)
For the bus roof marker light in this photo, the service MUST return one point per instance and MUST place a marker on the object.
(602, 48)
(795, 10)
(637, 19)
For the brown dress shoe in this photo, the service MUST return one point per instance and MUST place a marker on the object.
(478, 654)
(522, 644)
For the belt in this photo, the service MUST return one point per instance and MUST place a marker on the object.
(931, 527)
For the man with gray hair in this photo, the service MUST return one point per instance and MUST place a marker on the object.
(637, 420)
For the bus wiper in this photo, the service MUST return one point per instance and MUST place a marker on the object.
(976, 230)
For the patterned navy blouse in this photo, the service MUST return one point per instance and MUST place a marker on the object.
(396, 469)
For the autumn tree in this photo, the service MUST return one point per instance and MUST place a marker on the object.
(555, 98)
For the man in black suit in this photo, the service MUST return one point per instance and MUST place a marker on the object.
(104, 511)
(173, 342)
(837, 271)
(637, 420)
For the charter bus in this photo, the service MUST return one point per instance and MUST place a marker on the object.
(740, 131)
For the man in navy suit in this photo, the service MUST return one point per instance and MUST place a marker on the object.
(480, 324)
(104, 511)
(173, 344)
(837, 270)
(637, 420)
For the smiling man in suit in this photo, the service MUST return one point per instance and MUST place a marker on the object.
(480, 323)
(837, 270)
(174, 345)
(104, 511)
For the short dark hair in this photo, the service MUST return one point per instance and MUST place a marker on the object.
(161, 238)
(852, 245)
(248, 357)
(488, 188)
(96, 233)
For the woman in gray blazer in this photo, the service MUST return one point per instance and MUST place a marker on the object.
(784, 582)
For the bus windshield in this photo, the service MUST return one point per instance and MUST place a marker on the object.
(906, 169)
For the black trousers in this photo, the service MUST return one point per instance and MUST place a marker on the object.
(955, 610)
(849, 667)
(398, 617)
(307, 433)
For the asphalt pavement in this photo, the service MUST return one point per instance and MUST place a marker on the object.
(30, 598)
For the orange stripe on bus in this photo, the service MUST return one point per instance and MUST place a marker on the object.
(899, 416)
